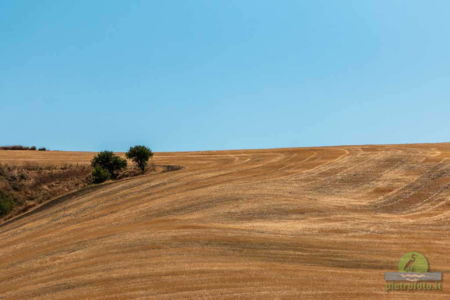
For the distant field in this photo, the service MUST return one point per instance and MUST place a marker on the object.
(20, 157)
(300, 223)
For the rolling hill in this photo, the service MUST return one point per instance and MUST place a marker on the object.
(303, 223)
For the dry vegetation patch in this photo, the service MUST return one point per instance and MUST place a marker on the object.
(29, 185)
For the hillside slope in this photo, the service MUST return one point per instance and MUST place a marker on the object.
(305, 223)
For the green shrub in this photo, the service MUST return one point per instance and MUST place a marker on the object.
(99, 174)
(6, 203)
(110, 162)
(140, 155)
(42, 149)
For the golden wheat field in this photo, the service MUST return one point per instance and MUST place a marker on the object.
(300, 223)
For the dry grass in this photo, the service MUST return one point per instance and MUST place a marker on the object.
(322, 223)
(29, 185)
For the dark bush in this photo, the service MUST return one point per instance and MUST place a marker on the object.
(140, 155)
(169, 168)
(6, 203)
(42, 149)
(110, 162)
(17, 147)
(99, 174)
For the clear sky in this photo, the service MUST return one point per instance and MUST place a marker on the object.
(220, 74)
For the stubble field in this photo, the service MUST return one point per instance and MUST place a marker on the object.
(303, 223)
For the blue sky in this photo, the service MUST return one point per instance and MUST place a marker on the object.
(206, 75)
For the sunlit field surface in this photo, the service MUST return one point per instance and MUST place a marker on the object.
(321, 223)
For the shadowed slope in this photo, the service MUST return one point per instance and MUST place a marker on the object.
(301, 223)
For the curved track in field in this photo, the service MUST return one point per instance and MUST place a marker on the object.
(304, 223)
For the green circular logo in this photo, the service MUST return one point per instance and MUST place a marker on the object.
(413, 262)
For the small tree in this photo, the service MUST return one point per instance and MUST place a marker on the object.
(140, 155)
(99, 174)
(110, 162)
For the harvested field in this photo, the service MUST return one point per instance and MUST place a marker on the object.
(301, 223)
